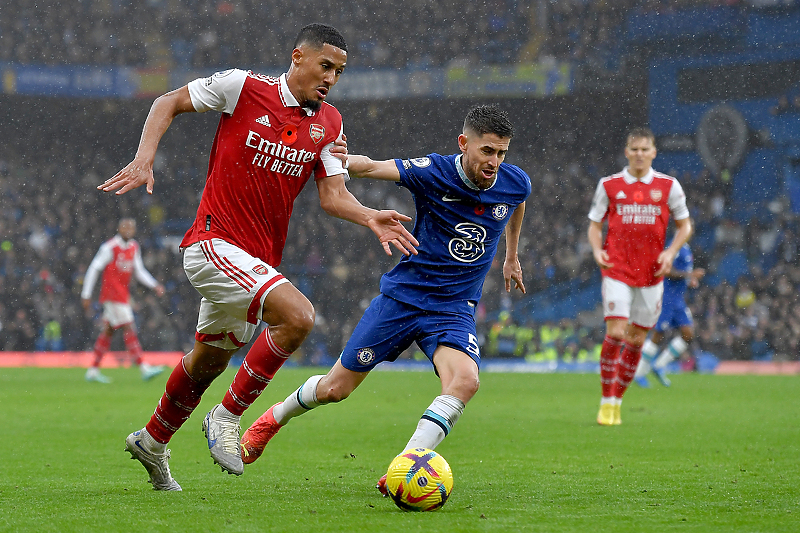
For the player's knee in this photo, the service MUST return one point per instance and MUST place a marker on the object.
(205, 363)
(472, 384)
(464, 386)
(300, 321)
(333, 393)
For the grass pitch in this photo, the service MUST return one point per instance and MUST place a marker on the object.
(711, 453)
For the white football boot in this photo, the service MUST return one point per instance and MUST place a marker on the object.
(222, 431)
(150, 371)
(93, 374)
(156, 464)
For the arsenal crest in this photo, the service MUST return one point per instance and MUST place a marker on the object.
(655, 194)
(260, 269)
(317, 132)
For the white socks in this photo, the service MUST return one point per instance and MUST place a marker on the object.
(674, 350)
(151, 444)
(300, 401)
(436, 423)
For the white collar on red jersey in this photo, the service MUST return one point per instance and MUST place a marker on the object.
(122, 242)
(630, 179)
(288, 98)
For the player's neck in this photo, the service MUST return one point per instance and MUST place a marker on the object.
(638, 174)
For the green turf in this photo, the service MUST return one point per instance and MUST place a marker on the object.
(711, 453)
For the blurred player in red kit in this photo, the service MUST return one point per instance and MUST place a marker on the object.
(273, 135)
(637, 203)
(117, 260)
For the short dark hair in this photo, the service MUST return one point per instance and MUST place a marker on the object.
(640, 132)
(490, 118)
(319, 34)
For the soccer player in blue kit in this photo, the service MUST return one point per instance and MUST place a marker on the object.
(464, 203)
(675, 314)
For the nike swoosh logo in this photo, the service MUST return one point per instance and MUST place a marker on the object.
(138, 444)
(211, 442)
(448, 198)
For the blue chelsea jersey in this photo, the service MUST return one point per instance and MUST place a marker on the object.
(458, 227)
(675, 289)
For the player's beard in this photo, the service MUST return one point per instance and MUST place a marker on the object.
(313, 105)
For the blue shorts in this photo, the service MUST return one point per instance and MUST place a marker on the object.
(388, 327)
(674, 317)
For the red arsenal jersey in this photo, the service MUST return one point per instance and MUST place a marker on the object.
(638, 212)
(265, 150)
(117, 259)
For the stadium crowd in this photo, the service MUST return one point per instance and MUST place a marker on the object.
(53, 220)
(206, 34)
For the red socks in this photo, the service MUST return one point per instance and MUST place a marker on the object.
(181, 396)
(259, 367)
(101, 346)
(628, 361)
(609, 359)
(133, 346)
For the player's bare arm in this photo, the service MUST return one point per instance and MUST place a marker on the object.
(361, 166)
(595, 236)
(140, 171)
(692, 277)
(337, 201)
(512, 270)
(695, 276)
(666, 258)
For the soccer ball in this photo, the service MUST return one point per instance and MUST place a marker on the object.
(419, 479)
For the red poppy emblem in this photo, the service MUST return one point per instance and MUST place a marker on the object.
(638, 196)
(317, 132)
(480, 209)
(655, 194)
(289, 134)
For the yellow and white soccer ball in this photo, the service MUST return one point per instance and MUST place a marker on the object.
(419, 479)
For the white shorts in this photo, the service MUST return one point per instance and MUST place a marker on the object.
(117, 314)
(640, 306)
(233, 285)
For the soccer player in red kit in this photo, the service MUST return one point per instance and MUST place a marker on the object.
(118, 259)
(273, 135)
(637, 203)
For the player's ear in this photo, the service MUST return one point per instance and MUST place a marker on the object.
(297, 56)
(462, 142)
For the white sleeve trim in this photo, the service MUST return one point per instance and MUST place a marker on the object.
(677, 201)
(333, 165)
(219, 92)
(103, 257)
(142, 275)
(599, 203)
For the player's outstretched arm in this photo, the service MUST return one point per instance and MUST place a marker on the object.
(337, 201)
(361, 166)
(512, 270)
(140, 171)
